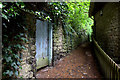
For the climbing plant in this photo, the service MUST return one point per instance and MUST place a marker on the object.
(73, 16)
(12, 36)
(15, 33)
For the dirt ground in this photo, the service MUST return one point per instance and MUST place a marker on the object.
(80, 63)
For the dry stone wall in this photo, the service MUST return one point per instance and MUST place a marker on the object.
(28, 55)
(63, 43)
(58, 43)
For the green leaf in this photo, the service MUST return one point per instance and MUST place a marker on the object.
(10, 73)
(4, 16)
(18, 45)
(23, 47)
(18, 62)
(22, 5)
(7, 72)
(16, 67)
(8, 59)
(11, 9)
(16, 73)
(13, 64)
(0, 5)
(16, 56)
(24, 39)
(20, 67)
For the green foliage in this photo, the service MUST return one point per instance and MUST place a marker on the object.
(58, 11)
(13, 35)
(0, 5)
(78, 18)
(73, 16)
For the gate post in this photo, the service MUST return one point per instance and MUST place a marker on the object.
(50, 52)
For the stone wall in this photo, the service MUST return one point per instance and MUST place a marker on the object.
(28, 55)
(107, 29)
(63, 43)
(59, 43)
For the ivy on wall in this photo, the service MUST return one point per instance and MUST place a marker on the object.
(12, 36)
(72, 15)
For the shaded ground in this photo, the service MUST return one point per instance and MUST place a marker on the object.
(79, 64)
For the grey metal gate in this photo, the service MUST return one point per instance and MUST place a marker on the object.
(43, 43)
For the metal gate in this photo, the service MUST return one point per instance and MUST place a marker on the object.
(43, 43)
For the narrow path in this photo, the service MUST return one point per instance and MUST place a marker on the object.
(79, 64)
